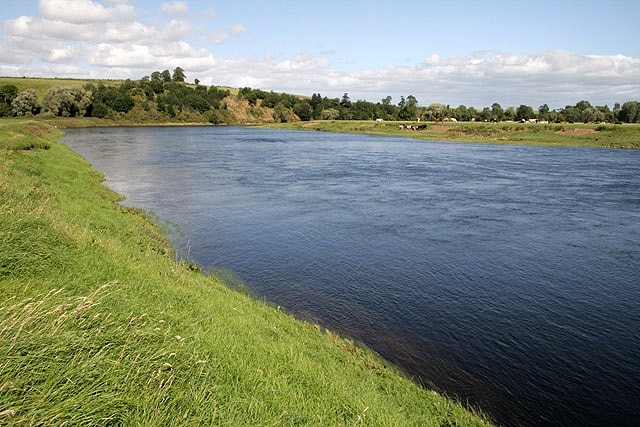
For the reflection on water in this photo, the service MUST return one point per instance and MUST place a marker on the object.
(506, 276)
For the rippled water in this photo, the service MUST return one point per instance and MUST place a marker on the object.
(507, 276)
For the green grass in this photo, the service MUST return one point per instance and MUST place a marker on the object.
(101, 325)
(568, 135)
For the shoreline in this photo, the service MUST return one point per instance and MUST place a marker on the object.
(103, 314)
(536, 134)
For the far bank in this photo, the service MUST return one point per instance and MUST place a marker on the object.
(542, 134)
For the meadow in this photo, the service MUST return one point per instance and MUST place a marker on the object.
(101, 324)
(560, 134)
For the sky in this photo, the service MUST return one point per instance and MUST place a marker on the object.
(473, 53)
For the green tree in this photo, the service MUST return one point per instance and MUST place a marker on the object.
(345, 101)
(388, 111)
(630, 112)
(330, 114)
(509, 113)
(178, 75)
(462, 113)
(316, 106)
(303, 110)
(408, 108)
(248, 94)
(437, 111)
(25, 103)
(543, 112)
(362, 110)
(7, 94)
(67, 102)
(166, 76)
(524, 112)
(497, 113)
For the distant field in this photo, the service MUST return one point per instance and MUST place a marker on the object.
(42, 85)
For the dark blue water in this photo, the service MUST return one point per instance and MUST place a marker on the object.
(505, 276)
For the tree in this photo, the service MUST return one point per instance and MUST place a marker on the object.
(461, 113)
(345, 101)
(497, 113)
(330, 114)
(437, 111)
(543, 112)
(408, 108)
(303, 110)
(316, 106)
(362, 110)
(67, 102)
(166, 76)
(524, 112)
(630, 112)
(25, 103)
(178, 75)
(7, 94)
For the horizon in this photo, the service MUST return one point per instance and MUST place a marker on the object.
(464, 54)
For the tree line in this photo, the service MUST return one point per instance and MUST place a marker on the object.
(164, 96)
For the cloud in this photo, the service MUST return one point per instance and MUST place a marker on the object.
(557, 78)
(69, 34)
(89, 38)
(84, 11)
(175, 8)
(234, 30)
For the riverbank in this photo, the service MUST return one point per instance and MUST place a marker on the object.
(101, 324)
(566, 135)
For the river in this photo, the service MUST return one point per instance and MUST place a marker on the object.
(505, 276)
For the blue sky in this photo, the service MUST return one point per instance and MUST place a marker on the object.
(457, 52)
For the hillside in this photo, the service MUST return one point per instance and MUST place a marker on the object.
(101, 325)
(144, 101)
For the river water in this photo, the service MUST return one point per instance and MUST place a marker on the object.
(505, 276)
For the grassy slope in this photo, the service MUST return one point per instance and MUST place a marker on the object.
(42, 85)
(613, 136)
(100, 325)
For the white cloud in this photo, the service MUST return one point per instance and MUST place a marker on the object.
(175, 8)
(234, 30)
(84, 11)
(557, 78)
(115, 42)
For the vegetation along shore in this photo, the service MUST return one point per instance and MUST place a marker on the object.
(101, 325)
(165, 98)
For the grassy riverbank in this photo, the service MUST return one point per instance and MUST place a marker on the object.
(569, 135)
(100, 325)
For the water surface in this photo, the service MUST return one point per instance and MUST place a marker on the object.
(507, 276)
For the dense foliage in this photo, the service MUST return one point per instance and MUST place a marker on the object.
(164, 96)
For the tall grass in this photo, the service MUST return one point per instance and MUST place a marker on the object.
(99, 325)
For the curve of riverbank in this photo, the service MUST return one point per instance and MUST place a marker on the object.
(101, 324)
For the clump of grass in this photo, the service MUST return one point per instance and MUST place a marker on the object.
(100, 325)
